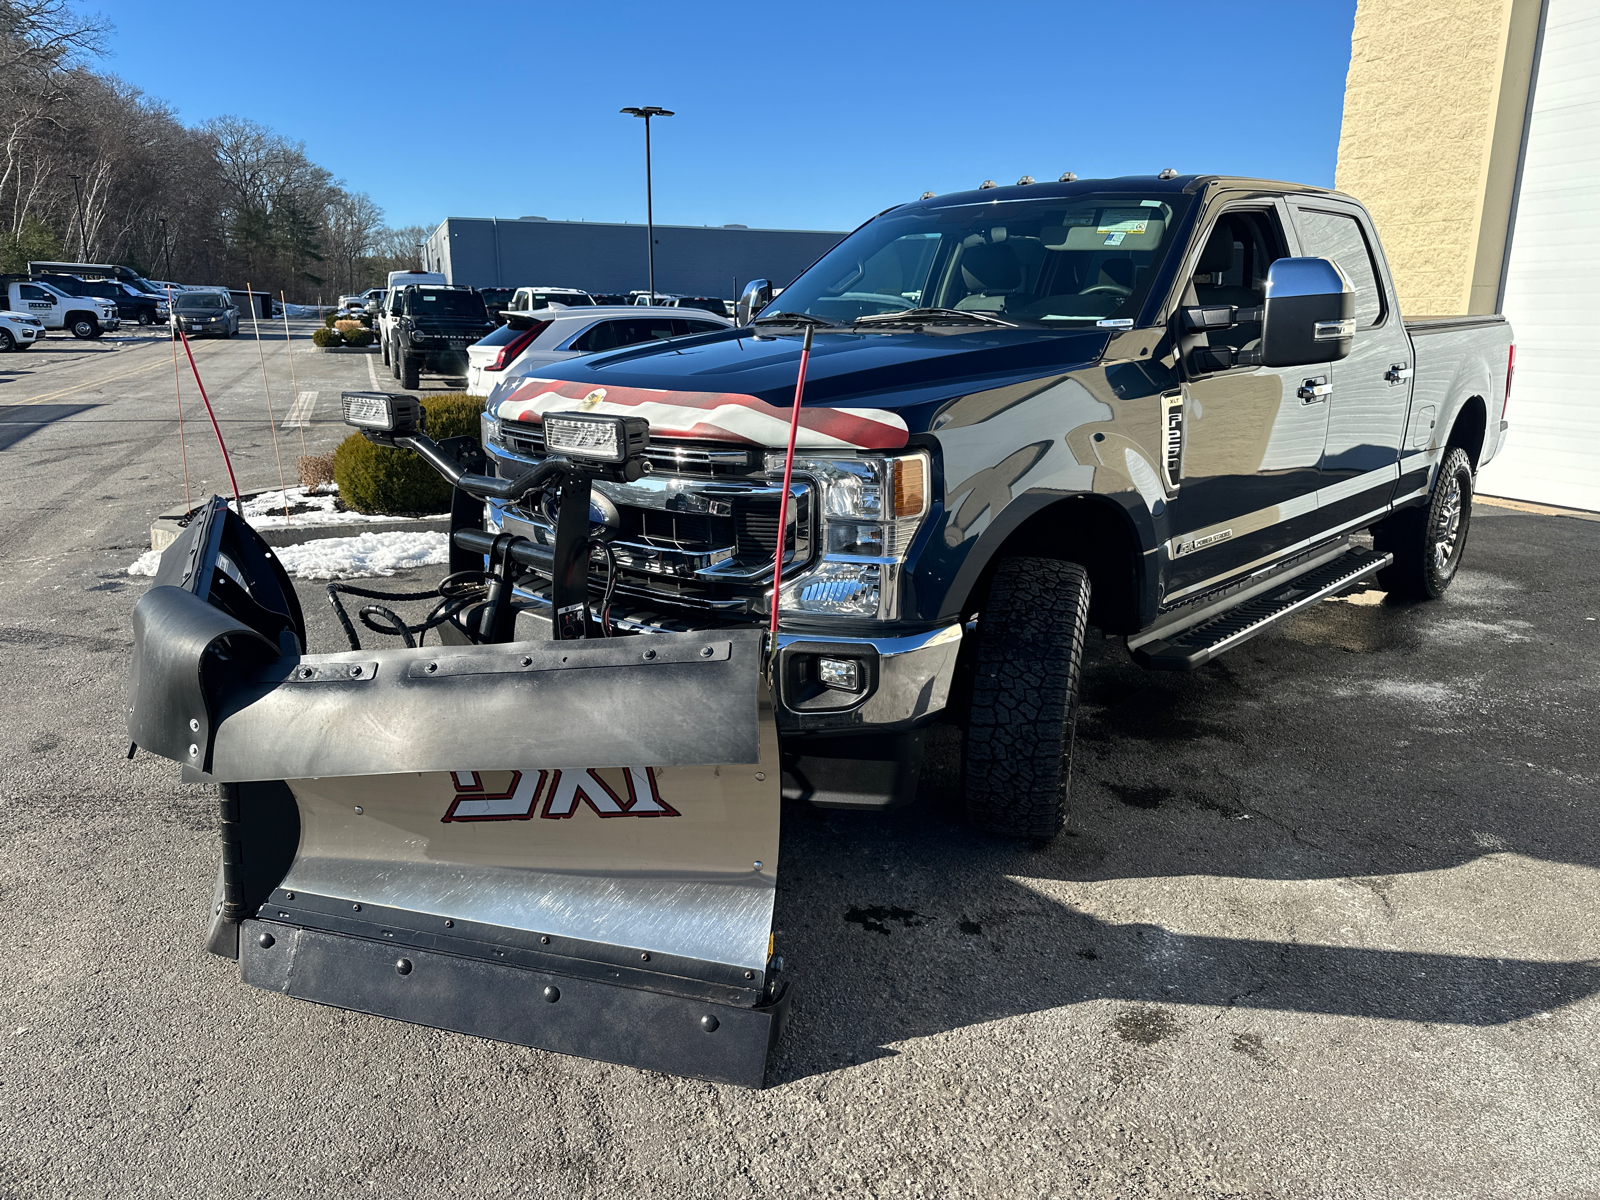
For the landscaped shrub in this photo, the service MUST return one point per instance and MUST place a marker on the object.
(377, 479)
(347, 326)
(358, 337)
(316, 470)
(327, 337)
(328, 320)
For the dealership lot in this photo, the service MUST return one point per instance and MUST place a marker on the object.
(1324, 922)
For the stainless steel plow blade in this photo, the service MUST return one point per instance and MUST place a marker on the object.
(570, 845)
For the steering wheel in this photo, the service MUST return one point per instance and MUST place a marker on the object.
(1116, 289)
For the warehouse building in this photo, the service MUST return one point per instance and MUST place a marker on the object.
(1472, 133)
(691, 260)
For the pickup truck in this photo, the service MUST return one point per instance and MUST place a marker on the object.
(133, 305)
(1169, 407)
(85, 316)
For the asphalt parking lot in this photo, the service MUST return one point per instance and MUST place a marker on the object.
(1324, 922)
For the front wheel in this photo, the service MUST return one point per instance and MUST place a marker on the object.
(84, 328)
(7, 343)
(1427, 542)
(146, 319)
(410, 373)
(386, 363)
(1017, 758)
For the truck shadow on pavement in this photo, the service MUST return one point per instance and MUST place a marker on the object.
(1361, 743)
(17, 421)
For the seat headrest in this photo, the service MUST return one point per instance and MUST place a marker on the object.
(1218, 254)
(991, 268)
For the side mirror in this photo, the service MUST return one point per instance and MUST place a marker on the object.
(757, 295)
(1309, 315)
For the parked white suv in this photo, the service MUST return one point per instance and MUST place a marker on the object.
(19, 331)
(86, 316)
(531, 341)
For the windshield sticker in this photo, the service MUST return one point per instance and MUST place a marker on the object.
(1074, 219)
(1112, 239)
(1123, 224)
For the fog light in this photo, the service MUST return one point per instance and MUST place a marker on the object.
(383, 411)
(606, 439)
(841, 673)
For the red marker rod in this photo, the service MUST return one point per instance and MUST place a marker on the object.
(788, 471)
(215, 428)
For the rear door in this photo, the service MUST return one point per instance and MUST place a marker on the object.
(1248, 473)
(1372, 387)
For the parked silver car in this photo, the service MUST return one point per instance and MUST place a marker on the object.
(532, 340)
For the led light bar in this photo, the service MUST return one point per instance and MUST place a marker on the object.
(601, 439)
(384, 411)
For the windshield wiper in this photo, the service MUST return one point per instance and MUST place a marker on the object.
(914, 316)
(789, 318)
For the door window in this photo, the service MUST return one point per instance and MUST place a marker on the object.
(614, 335)
(1340, 237)
(1233, 269)
(29, 292)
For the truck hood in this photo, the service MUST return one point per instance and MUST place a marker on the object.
(863, 391)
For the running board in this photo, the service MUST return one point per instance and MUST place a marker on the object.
(1201, 643)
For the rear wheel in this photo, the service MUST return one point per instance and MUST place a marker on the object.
(1427, 542)
(410, 373)
(1017, 760)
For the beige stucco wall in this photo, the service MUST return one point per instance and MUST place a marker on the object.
(1433, 117)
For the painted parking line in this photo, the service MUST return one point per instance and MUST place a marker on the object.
(305, 403)
(372, 374)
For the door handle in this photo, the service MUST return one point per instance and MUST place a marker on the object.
(1315, 390)
(1398, 373)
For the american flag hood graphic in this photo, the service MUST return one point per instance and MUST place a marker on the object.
(719, 416)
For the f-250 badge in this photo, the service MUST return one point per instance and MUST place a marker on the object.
(561, 791)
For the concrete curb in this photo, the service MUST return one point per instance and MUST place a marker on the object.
(164, 530)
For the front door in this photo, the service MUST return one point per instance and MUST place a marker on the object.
(1252, 438)
(1372, 387)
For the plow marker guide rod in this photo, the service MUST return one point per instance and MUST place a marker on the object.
(564, 844)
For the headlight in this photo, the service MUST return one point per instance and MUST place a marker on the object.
(870, 509)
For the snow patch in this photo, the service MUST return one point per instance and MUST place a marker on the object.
(147, 563)
(314, 509)
(365, 554)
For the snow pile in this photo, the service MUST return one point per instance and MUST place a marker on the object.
(147, 563)
(365, 554)
(311, 509)
(303, 310)
(346, 558)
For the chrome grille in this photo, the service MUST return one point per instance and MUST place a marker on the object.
(676, 457)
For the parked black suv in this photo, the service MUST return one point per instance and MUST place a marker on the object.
(433, 329)
(132, 306)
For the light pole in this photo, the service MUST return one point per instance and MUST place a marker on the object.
(166, 247)
(83, 232)
(648, 111)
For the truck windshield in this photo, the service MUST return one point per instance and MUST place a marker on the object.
(447, 304)
(1064, 262)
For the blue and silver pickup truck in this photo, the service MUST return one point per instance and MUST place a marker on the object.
(1163, 406)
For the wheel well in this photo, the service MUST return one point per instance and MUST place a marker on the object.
(1095, 534)
(78, 312)
(1472, 422)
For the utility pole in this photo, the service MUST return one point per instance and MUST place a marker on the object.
(648, 111)
(83, 232)
(166, 247)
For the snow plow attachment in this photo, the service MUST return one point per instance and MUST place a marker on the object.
(568, 844)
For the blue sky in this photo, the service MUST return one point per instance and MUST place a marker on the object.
(811, 116)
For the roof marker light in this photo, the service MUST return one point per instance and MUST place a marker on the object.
(1068, 177)
(987, 184)
(1168, 173)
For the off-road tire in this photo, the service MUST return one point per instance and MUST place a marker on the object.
(8, 344)
(386, 363)
(410, 373)
(1017, 757)
(394, 361)
(1427, 541)
(84, 327)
